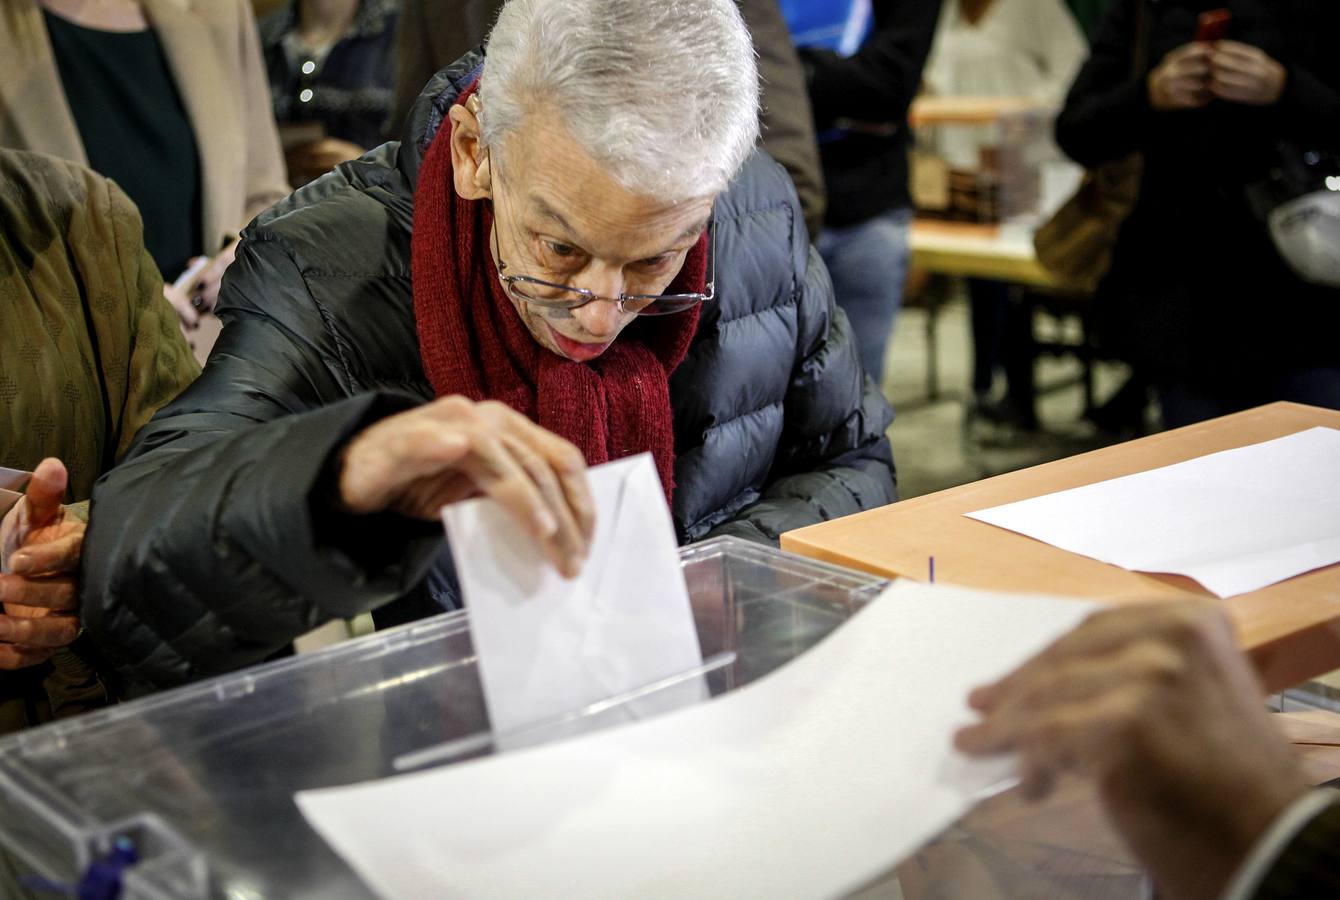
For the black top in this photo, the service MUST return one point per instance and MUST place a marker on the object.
(135, 131)
(351, 89)
(866, 168)
(1197, 292)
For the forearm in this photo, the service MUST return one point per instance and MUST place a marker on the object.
(212, 550)
(830, 492)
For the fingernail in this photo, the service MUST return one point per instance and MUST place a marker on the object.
(574, 565)
(20, 561)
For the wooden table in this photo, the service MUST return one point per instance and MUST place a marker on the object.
(1291, 629)
(963, 250)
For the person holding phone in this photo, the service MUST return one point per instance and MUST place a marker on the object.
(165, 97)
(1197, 297)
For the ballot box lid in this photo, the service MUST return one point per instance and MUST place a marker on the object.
(200, 780)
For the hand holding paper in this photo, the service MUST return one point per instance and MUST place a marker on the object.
(1156, 704)
(451, 449)
(548, 646)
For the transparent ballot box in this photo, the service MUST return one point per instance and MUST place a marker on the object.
(986, 161)
(201, 779)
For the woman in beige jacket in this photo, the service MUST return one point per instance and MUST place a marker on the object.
(167, 97)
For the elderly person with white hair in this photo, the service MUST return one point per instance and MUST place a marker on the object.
(574, 255)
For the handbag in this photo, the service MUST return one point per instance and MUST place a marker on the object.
(1077, 243)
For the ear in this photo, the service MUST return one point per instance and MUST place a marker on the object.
(469, 159)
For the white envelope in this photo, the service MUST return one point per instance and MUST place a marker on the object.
(548, 647)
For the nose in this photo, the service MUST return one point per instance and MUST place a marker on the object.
(600, 319)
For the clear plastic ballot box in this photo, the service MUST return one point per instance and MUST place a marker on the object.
(201, 779)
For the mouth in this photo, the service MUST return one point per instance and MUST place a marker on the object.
(576, 350)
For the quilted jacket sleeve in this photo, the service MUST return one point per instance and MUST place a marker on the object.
(834, 458)
(210, 547)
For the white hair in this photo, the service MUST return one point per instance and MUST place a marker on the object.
(662, 93)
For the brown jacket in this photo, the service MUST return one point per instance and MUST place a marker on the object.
(214, 53)
(89, 350)
(436, 33)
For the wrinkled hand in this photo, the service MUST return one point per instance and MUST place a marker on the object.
(1158, 706)
(417, 462)
(39, 562)
(1182, 80)
(1245, 74)
(309, 161)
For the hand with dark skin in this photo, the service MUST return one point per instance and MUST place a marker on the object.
(1155, 704)
(40, 545)
(417, 462)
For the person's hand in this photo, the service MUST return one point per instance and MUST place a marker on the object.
(206, 295)
(309, 161)
(1244, 74)
(186, 311)
(1158, 706)
(417, 462)
(1182, 80)
(39, 560)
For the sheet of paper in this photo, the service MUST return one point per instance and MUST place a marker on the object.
(808, 783)
(12, 482)
(548, 646)
(1235, 521)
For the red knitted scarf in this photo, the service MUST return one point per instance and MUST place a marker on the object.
(474, 344)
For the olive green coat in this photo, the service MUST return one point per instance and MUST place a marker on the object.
(89, 350)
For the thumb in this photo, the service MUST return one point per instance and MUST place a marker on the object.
(46, 491)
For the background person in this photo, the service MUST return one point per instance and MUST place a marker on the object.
(860, 112)
(332, 74)
(167, 98)
(89, 351)
(1197, 296)
(1028, 49)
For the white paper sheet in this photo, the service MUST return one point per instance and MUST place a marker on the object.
(548, 646)
(808, 783)
(1235, 521)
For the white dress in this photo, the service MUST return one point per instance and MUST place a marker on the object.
(1019, 48)
(1030, 49)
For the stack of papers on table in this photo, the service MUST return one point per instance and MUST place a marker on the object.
(1235, 521)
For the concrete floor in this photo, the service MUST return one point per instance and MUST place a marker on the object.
(934, 444)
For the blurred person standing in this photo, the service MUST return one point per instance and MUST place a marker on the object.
(1197, 295)
(860, 111)
(332, 75)
(435, 33)
(1028, 49)
(166, 98)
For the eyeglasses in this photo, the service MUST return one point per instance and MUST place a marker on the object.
(549, 295)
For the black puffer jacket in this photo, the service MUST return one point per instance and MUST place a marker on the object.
(213, 546)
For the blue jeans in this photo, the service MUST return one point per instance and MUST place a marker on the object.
(868, 264)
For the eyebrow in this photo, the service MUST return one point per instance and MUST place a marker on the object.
(548, 212)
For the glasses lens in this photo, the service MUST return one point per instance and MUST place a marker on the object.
(664, 306)
(549, 295)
